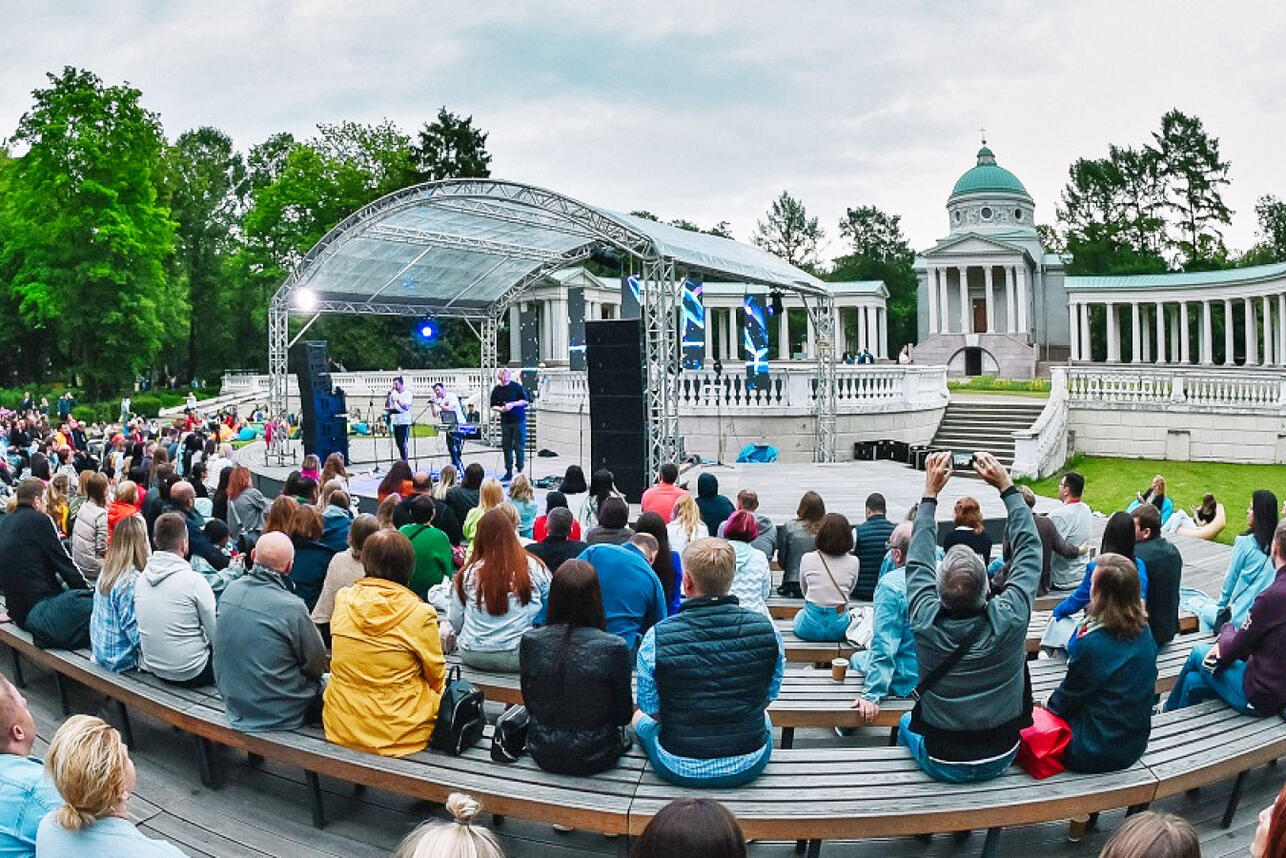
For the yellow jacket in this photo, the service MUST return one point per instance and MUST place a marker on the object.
(387, 669)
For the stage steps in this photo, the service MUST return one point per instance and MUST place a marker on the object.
(970, 426)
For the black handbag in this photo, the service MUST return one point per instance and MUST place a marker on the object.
(509, 741)
(460, 720)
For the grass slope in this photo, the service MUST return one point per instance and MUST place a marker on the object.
(1110, 484)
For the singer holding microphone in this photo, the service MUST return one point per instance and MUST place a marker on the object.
(446, 406)
(398, 406)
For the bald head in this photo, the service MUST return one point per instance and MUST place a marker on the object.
(182, 494)
(899, 541)
(18, 729)
(274, 551)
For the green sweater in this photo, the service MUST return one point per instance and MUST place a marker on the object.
(433, 562)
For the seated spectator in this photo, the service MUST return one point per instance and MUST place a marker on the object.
(523, 499)
(337, 518)
(158, 493)
(89, 532)
(247, 507)
(557, 547)
(310, 467)
(271, 656)
(91, 769)
(58, 501)
(1191, 522)
(969, 529)
(217, 533)
(1246, 666)
(889, 663)
(26, 795)
(827, 575)
(113, 628)
(302, 488)
(798, 537)
(183, 502)
(752, 581)
(396, 482)
(464, 496)
(602, 485)
(766, 541)
(1118, 538)
(633, 599)
(345, 568)
(666, 564)
(123, 505)
(386, 656)
(386, 512)
(1250, 569)
(1270, 834)
(692, 826)
(613, 526)
(870, 545)
(1106, 696)
(1050, 542)
(312, 558)
(175, 611)
(685, 523)
(706, 724)
(966, 725)
(661, 497)
(715, 508)
(1154, 495)
(1150, 834)
(1073, 521)
(490, 495)
(553, 501)
(460, 837)
(433, 559)
(1165, 570)
(37, 570)
(576, 679)
(496, 597)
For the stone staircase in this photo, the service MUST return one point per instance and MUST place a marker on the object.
(968, 426)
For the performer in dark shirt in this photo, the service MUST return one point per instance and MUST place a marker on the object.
(509, 399)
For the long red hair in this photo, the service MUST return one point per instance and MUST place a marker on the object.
(238, 481)
(499, 565)
(1276, 844)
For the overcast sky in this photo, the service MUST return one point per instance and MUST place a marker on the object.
(705, 110)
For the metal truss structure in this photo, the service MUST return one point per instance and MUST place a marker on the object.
(496, 241)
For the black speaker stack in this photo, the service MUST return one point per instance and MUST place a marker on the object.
(323, 408)
(617, 411)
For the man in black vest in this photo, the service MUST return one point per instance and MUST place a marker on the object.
(1165, 571)
(705, 679)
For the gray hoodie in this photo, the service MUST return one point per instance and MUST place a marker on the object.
(175, 610)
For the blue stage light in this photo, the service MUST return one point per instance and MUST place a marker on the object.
(427, 330)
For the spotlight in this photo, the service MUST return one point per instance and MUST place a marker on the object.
(305, 299)
(427, 330)
(777, 308)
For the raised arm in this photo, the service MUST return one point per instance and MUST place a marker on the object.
(921, 562)
(1024, 567)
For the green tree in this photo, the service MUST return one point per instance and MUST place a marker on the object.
(790, 233)
(878, 250)
(1110, 214)
(451, 147)
(204, 175)
(1194, 176)
(1271, 247)
(84, 237)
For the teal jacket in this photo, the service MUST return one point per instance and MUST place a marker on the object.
(891, 668)
(1250, 571)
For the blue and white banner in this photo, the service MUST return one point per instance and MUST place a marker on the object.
(693, 343)
(754, 341)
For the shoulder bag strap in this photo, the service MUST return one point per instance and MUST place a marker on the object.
(936, 675)
(838, 589)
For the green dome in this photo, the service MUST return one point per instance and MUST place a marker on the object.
(987, 177)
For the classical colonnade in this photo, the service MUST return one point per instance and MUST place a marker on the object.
(1163, 329)
(868, 316)
(1003, 288)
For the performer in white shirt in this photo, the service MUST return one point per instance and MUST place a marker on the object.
(399, 405)
(446, 407)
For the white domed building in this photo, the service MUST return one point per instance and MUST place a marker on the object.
(991, 298)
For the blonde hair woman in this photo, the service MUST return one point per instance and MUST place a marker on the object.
(491, 494)
(58, 500)
(686, 524)
(91, 768)
(113, 630)
(447, 479)
(459, 838)
(523, 497)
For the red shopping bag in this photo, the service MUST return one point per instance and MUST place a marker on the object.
(1043, 743)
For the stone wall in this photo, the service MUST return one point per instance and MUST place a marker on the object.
(1180, 433)
(1013, 357)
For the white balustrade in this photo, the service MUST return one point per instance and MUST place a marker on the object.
(1041, 449)
(1195, 388)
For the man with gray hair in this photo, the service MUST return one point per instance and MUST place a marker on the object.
(183, 502)
(972, 698)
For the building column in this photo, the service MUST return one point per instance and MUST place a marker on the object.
(1073, 323)
(881, 332)
(1136, 338)
(1147, 322)
(1022, 298)
(1173, 320)
(872, 330)
(515, 334)
(1228, 322)
(783, 335)
(1087, 348)
(1281, 329)
(1160, 329)
(1113, 334)
(944, 303)
(931, 290)
(989, 298)
(707, 333)
(1207, 334)
(1185, 335)
(1268, 332)
(1010, 321)
(812, 335)
(966, 323)
(1252, 336)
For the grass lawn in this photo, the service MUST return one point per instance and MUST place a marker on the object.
(1110, 484)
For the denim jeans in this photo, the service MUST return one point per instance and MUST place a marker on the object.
(649, 733)
(513, 440)
(952, 773)
(401, 431)
(1200, 604)
(815, 623)
(1196, 684)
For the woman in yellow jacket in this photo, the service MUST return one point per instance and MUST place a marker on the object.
(387, 669)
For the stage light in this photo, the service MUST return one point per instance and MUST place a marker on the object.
(305, 299)
(777, 309)
(427, 330)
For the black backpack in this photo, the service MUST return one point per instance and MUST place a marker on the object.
(509, 740)
(460, 720)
